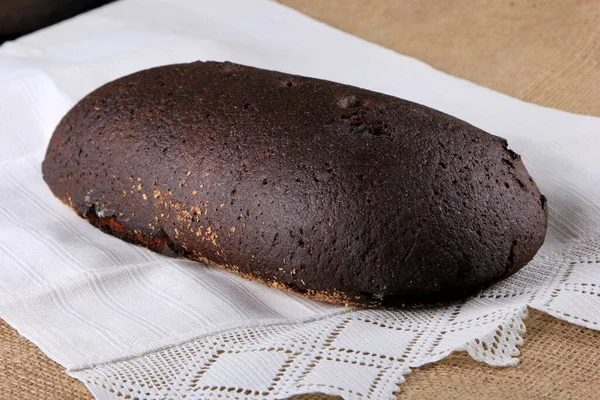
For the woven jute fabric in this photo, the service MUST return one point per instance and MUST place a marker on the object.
(541, 51)
(26, 373)
(545, 52)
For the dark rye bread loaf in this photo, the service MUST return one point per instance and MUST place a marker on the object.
(324, 189)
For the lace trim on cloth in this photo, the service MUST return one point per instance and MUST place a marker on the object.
(361, 354)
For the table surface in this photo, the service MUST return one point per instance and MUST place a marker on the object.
(542, 52)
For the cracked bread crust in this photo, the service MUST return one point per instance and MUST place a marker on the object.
(327, 190)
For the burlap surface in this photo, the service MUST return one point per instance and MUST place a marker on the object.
(546, 52)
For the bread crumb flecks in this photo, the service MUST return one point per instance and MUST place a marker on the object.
(70, 200)
(196, 210)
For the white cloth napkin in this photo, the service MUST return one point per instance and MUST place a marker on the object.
(130, 322)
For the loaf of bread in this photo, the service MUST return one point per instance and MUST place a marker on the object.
(326, 190)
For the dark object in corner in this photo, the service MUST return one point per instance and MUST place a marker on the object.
(19, 17)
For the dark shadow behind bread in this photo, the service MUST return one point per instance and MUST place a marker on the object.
(19, 17)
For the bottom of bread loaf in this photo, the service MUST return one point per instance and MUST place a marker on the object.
(165, 246)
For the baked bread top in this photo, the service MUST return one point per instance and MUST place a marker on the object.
(324, 189)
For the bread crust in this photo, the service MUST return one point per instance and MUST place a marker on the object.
(327, 190)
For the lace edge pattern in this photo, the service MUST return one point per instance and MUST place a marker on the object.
(346, 355)
(356, 355)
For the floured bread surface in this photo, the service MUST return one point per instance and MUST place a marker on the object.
(324, 189)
